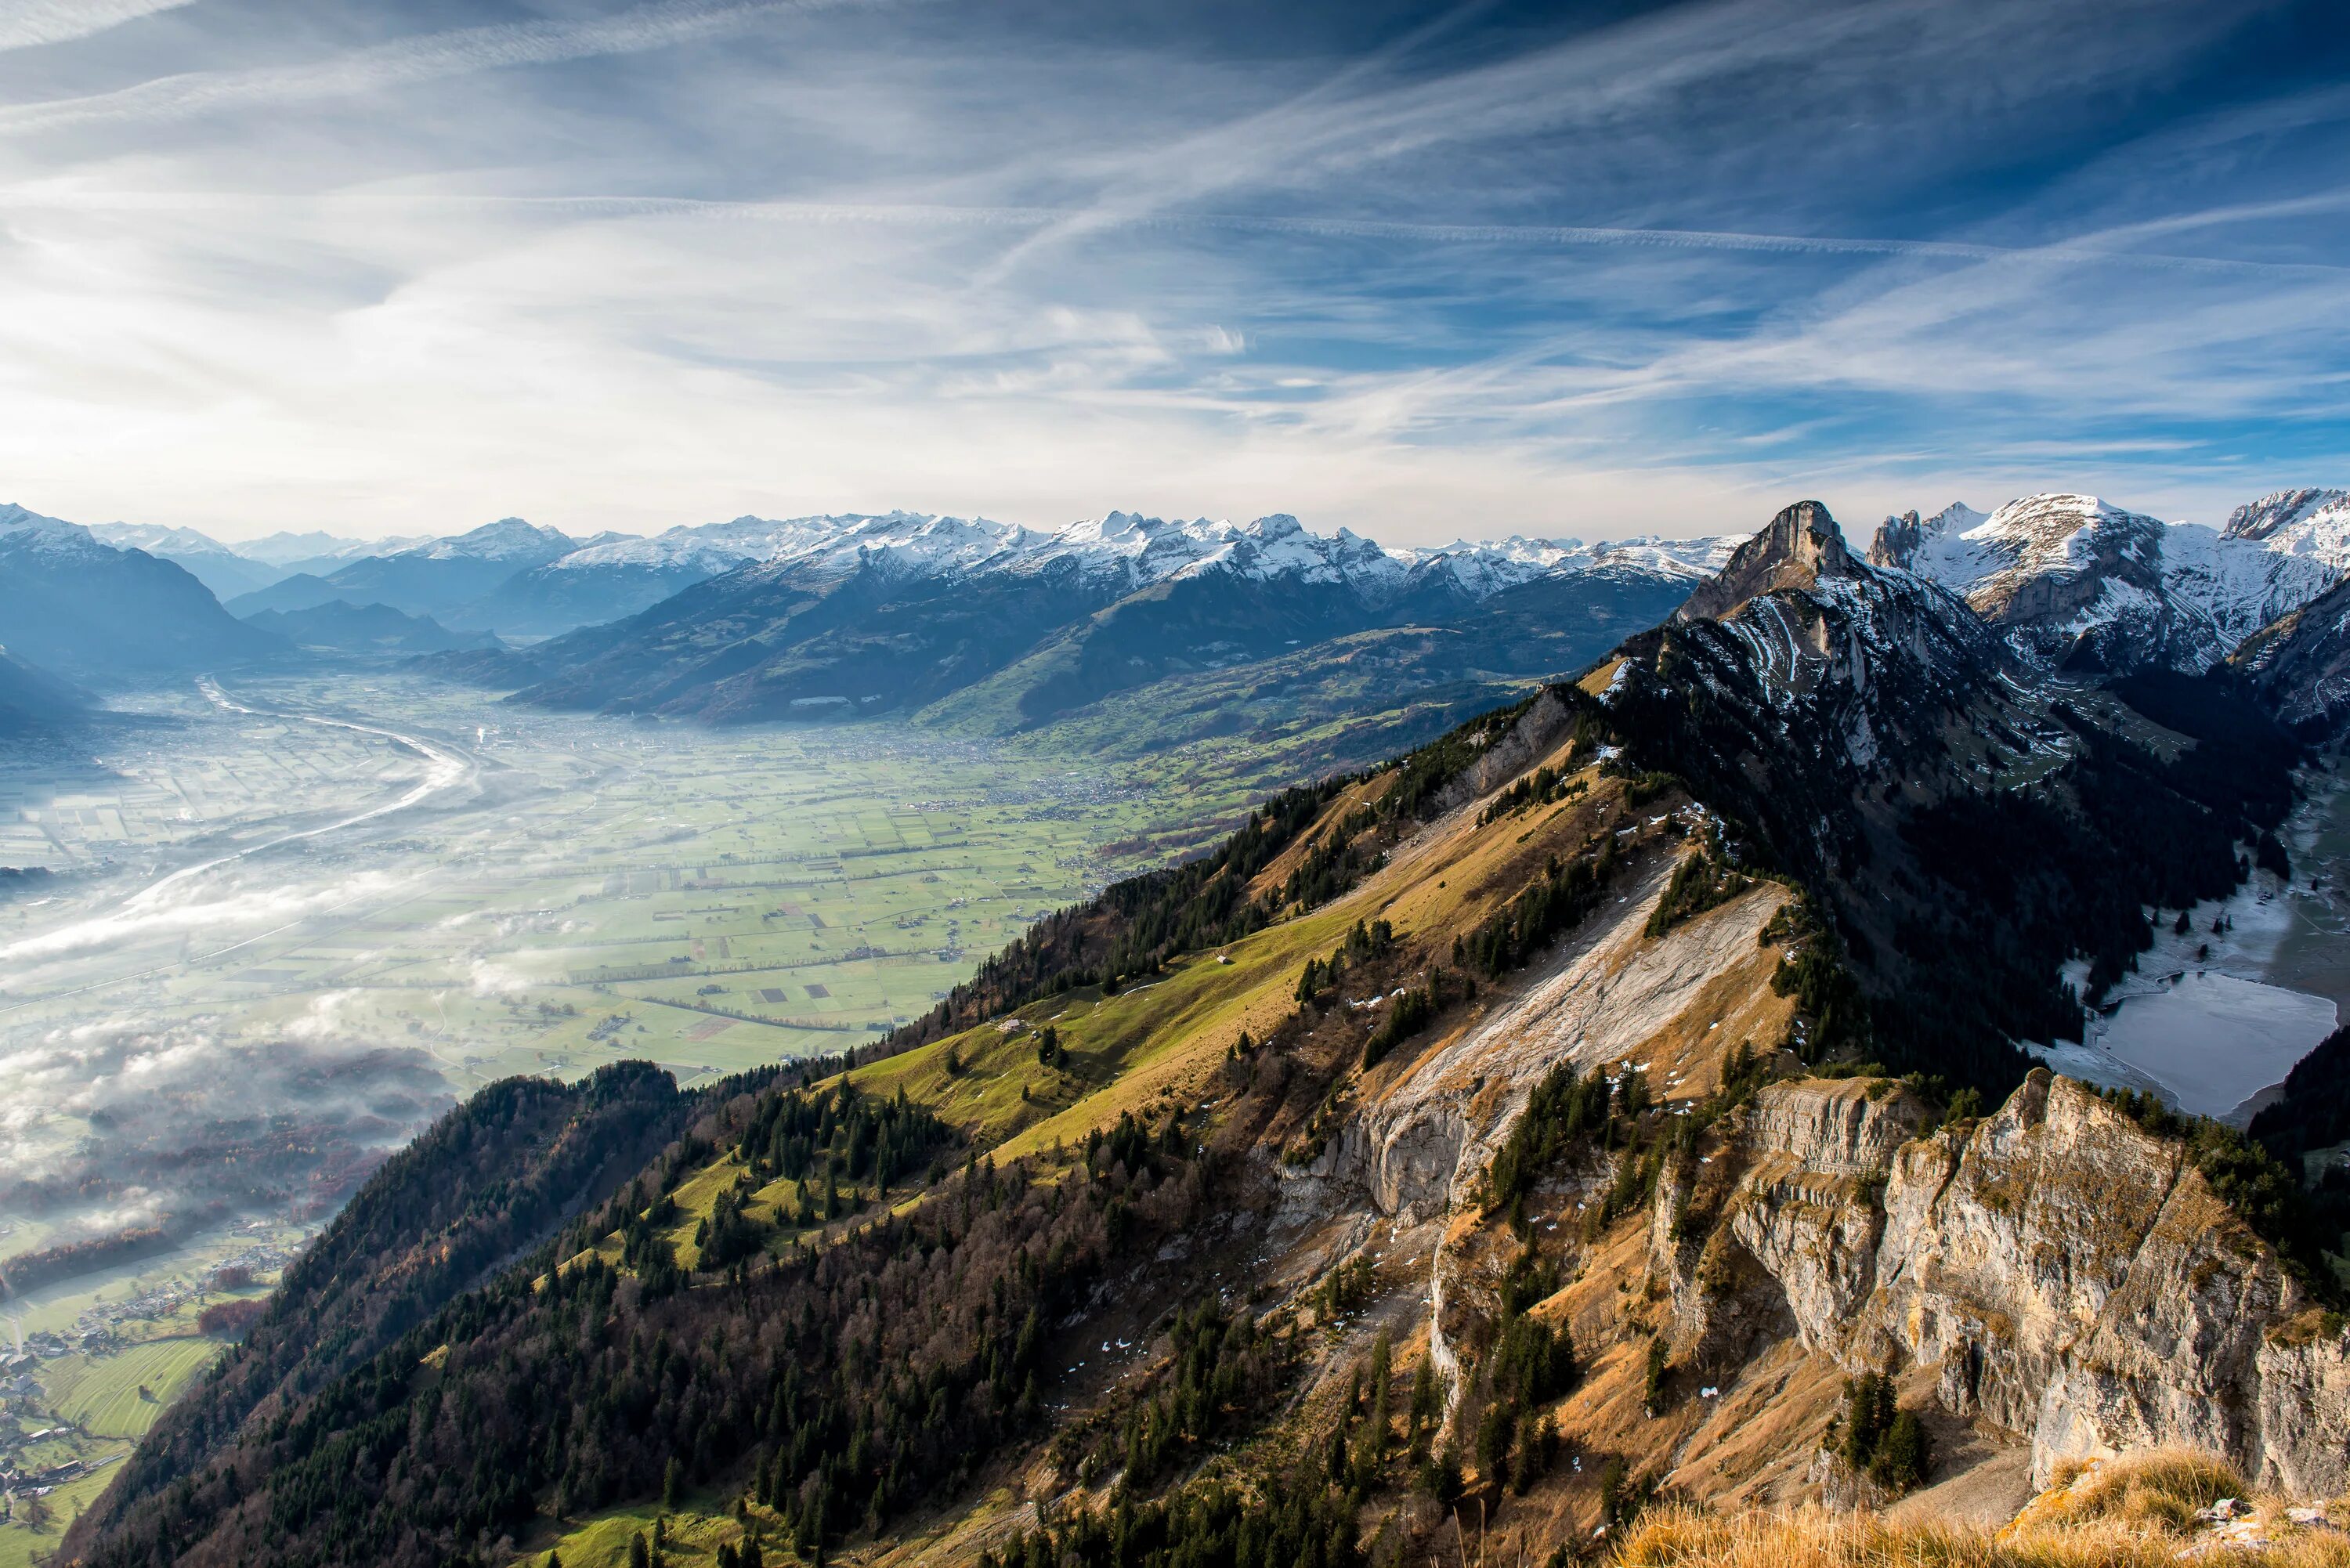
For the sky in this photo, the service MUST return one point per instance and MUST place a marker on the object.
(1423, 270)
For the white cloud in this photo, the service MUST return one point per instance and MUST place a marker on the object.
(852, 260)
(197, 909)
(27, 23)
(404, 62)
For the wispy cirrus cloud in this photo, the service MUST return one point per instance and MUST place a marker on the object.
(27, 24)
(1424, 271)
(385, 67)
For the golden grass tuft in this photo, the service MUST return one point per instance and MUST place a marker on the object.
(2136, 1512)
(2152, 1487)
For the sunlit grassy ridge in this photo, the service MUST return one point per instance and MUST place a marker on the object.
(2136, 1511)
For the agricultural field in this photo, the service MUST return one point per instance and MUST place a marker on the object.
(120, 1396)
(565, 892)
(21, 1545)
(293, 918)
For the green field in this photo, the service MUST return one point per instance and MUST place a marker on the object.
(590, 889)
(381, 864)
(18, 1545)
(101, 1393)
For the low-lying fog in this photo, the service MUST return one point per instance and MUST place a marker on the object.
(288, 923)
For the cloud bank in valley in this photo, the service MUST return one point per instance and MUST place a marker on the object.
(179, 1125)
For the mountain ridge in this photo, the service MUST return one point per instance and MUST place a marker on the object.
(1564, 1072)
(2072, 580)
(74, 605)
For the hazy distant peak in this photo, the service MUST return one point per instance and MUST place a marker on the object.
(286, 549)
(507, 539)
(157, 539)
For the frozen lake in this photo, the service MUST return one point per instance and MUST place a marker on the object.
(2213, 1039)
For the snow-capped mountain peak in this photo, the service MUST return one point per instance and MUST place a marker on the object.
(2303, 514)
(157, 539)
(507, 539)
(24, 529)
(2071, 578)
(285, 549)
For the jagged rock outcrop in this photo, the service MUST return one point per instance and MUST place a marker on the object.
(2068, 1275)
(1853, 1129)
(2053, 1269)
(2320, 518)
(1800, 546)
(1900, 541)
(1847, 675)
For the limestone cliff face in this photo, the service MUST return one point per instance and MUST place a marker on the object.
(2053, 1270)
(2066, 1275)
(1802, 546)
(1609, 992)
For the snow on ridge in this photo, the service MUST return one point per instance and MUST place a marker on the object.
(1136, 551)
(2319, 511)
(1702, 556)
(712, 548)
(507, 539)
(157, 538)
(28, 530)
(2212, 588)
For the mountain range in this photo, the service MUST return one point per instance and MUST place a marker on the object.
(1620, 1100)
(1004, 628)
(2073, 581)
(1203, 628)
(74, 605)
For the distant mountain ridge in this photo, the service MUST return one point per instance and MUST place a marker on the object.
(429, 580)
(75, 605)
(902, 610)
(341, 627)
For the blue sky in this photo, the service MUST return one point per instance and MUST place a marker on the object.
(1423, 270)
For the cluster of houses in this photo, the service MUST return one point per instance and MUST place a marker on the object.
(40, 1481)
(97, 1329)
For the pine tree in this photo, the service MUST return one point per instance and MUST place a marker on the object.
(1424, 1409)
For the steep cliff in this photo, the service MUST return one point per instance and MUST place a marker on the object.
(2061, 1274)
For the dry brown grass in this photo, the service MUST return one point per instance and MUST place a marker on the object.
(2154, 1487)
(2132, 1513)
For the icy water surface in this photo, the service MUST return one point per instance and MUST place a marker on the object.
(2213, 1039)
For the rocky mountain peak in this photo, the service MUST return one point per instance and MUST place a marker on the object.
(1800, 546)
(1901, 541)
(2282, 510)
